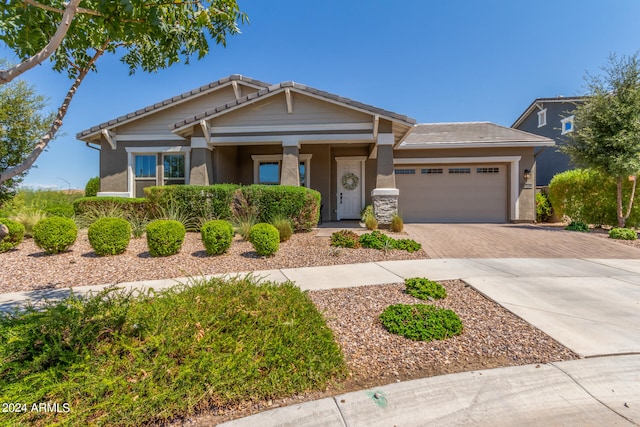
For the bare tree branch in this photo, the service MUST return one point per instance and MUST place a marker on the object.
(55, 126)
(60, 11)
(69, 12)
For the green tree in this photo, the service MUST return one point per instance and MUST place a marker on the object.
(148, 34)
(21, 125)
(607, 127)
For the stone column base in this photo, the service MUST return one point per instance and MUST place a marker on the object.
(385, 204)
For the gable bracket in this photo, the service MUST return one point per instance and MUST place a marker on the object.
(205, 130)
(236, 89)
(110, 137)
(540, 106)
(287, 93)
(376, 123)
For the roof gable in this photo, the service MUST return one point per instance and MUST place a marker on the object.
(541, 101)
(232, 80)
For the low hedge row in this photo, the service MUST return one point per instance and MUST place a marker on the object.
(138, 207)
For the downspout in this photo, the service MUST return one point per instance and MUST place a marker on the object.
(88, 144)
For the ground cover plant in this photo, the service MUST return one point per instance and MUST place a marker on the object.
(421, 322)
(623, 234)
(423, 288)
(577, 226)
(378, 240)
(118, 359)
(55, 234)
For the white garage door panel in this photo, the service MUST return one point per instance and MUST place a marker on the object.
(453, 197)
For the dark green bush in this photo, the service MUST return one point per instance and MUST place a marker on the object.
(15, 236)
(109, 236)
(345, 239)
(283, 225)
(138, 207)
(55, 234)
(589, 196)
(217, 236)
(577, 226)
(543, 207)
(407, 245)
(423, 288)
(623, 234)
(265, 239)
(375, 240)
(63, 211)
(421, 322)
(93, 187)
(165, 237)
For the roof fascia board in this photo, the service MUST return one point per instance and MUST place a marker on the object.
(437, 145)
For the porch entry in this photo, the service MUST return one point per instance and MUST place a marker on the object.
(350, 187)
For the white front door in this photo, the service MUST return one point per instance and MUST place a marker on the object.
(350, 187)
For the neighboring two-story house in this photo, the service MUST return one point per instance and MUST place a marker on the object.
(241, 130)
(551, 118)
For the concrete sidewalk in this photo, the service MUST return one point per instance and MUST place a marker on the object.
(591, 306)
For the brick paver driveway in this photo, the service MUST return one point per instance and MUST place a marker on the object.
(513, 241)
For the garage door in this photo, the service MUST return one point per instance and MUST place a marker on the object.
(453, 193)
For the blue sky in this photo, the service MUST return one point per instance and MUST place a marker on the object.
(435, 61)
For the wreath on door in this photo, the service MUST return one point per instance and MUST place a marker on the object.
(350, 181)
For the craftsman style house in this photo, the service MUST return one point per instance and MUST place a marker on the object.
(241, 130)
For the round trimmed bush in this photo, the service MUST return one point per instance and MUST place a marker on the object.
(93, 187)
(217, 236)
(264, 238)
(109, 236)
(623, 234)
(14, 237)
(165, 237)
(423, 288)
(421, 322)
(55, 234)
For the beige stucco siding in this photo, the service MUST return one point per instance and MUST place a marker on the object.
(306, 110)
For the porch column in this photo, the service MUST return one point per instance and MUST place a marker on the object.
(201, 165)
(290, 174)
(385, 196)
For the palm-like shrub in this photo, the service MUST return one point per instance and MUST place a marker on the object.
(165, 237)
(109, 236)
(55, 234)
(217, 236)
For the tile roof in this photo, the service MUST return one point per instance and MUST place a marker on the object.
(170, 101)
(557, 99)
(280, 87)
(434, 135)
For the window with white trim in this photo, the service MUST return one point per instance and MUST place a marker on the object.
(542, 118)
(567, 125)
(173, 169)
(145, 166)
(269, 173)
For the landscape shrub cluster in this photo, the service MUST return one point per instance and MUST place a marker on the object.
(373, 240)
(623, 234)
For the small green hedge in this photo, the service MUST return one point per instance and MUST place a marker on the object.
(109, 236)
(165, 237)
(423, 288)
(345, 239)
(265, 239)
(623, 234)
(15, 236)
(577, 226)
(131, 207)
(421, 322)
(93, 187)
(379, 240)
(217, 236)
(55, 234)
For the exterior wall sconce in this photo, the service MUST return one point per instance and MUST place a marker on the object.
(527, 174)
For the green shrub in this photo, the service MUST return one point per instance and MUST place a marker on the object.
(217, 236)
(397, 225)
(371, 223)
(165, 237)
(423, 288)
(589, 196)
(64, 211)
(623, 234)
(55, 234)
(421, 322)
(366, 213)
(408, 245)
(543, 207)
(374, 240)
(29, 217)
(265, 239)
(577, 226)
(345, 239)
(109, 236)
(99, 207)
(284, 227)
(14, 237)
(199, 201)
(93, 187)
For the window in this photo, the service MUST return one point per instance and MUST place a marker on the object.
(567, 125)
(174, 169)
(145, 166)
(459, 170)
(488, 170)
(269, 173)
(405, 171)
(542, 118)
(302, 169)
(430, 171)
